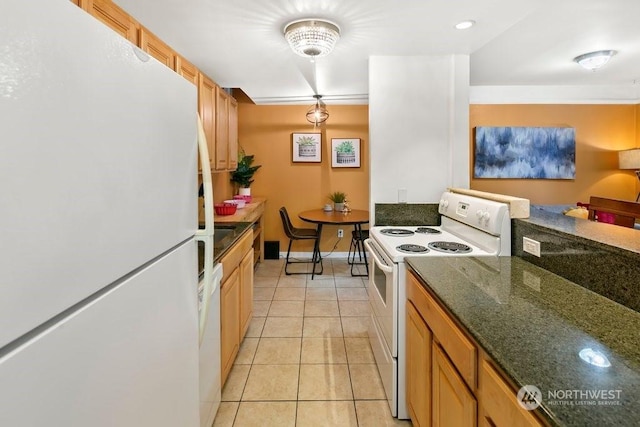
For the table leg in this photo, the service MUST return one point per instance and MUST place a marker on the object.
(317, 256)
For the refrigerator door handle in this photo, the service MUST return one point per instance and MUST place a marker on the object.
(212, 277)
(206, 181)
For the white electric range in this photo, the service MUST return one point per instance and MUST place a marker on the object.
(471, 226)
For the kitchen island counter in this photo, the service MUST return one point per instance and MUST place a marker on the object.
(534, 324)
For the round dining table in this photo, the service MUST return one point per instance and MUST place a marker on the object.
(320, 217)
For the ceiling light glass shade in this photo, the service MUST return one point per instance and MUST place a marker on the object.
(594, 60)
(629, 159)
(312, 37)
(317, 113)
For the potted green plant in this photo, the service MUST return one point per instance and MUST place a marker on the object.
(243, 175)
(338, 198)
(345, 152)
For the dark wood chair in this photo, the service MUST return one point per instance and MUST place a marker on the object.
(357, 248)
(295, 233)
(618, 212)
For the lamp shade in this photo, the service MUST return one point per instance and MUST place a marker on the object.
(629, 159)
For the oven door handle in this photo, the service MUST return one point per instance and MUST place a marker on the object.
(376, 257)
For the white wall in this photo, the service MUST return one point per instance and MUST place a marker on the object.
(418, 126)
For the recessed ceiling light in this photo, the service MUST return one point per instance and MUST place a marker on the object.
(465, 24)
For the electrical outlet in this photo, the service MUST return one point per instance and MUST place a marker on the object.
(340, 232)
(531, 246)
(402, 195)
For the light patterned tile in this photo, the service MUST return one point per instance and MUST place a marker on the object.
(321, 282)
(247, 351)
(366, 382)
(321, 294)
(272, 382)
(325, 382)
(292, 282)
(376, 413)
(350, 282)
(263, 294)
(352, 294)
(265, 282)
(234, 386)
(355, 327)
(226, 414)
(323, 350)
(282, 327)
(289, 294)
(261, 308)
(255, 327)
(322, 327)
(321, 308)
(286, 308)
(326, 414)
(354, 308)
(278, 351)
(359, 350)
(266, 414)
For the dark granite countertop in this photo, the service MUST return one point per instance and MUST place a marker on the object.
(224, 237)
(534, 323)
(607, 234)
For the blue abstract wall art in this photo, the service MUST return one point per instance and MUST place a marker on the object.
(525, 152)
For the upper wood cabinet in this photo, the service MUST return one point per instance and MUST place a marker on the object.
(186, 69)
(233, 134)
(157, 48)
(222, 129)
(207, 109)
(113, 17)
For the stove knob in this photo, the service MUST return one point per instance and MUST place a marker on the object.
(479, 214)
(485, 216)
(444, 204)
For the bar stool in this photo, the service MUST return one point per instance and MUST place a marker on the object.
(357, 246)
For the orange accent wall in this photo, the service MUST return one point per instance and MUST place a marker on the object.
(266, 132)
(601, 131)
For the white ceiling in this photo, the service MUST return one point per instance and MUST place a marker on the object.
(239, 43)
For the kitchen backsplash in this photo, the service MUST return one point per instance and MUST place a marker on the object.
(407, 214)
(607, 270)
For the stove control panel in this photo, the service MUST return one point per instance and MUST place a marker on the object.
(487, 215)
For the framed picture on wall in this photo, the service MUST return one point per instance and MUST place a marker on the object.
(307, 147)
(345, 152)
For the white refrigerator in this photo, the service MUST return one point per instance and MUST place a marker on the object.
(98, 267)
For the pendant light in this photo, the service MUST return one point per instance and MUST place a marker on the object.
(317, 113)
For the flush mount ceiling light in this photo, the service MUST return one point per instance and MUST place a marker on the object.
(317, 113)
(312, 38)
(465, 24)
(594, 60)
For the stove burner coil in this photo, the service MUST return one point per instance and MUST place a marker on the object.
(427, 230)
(396, 232)
(450, 247)
(409, 248)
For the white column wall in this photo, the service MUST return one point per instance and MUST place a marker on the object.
(418, 126)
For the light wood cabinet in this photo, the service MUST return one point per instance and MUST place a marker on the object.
(498, 404)
(233, 133)
(452, 403)
(222, 129)
(419, 365)
(186, 69)
(462, 387)
(229, 322)
(157, 48)
(113, 17)
(246, 292)
(236, 299)
(207, 110)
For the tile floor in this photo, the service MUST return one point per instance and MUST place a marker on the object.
(306, 359)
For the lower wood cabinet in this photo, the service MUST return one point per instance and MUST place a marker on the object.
(236, 299)
(246, 292)
(419, 365)
(452, 402)
(450, 380)
(229, 322)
